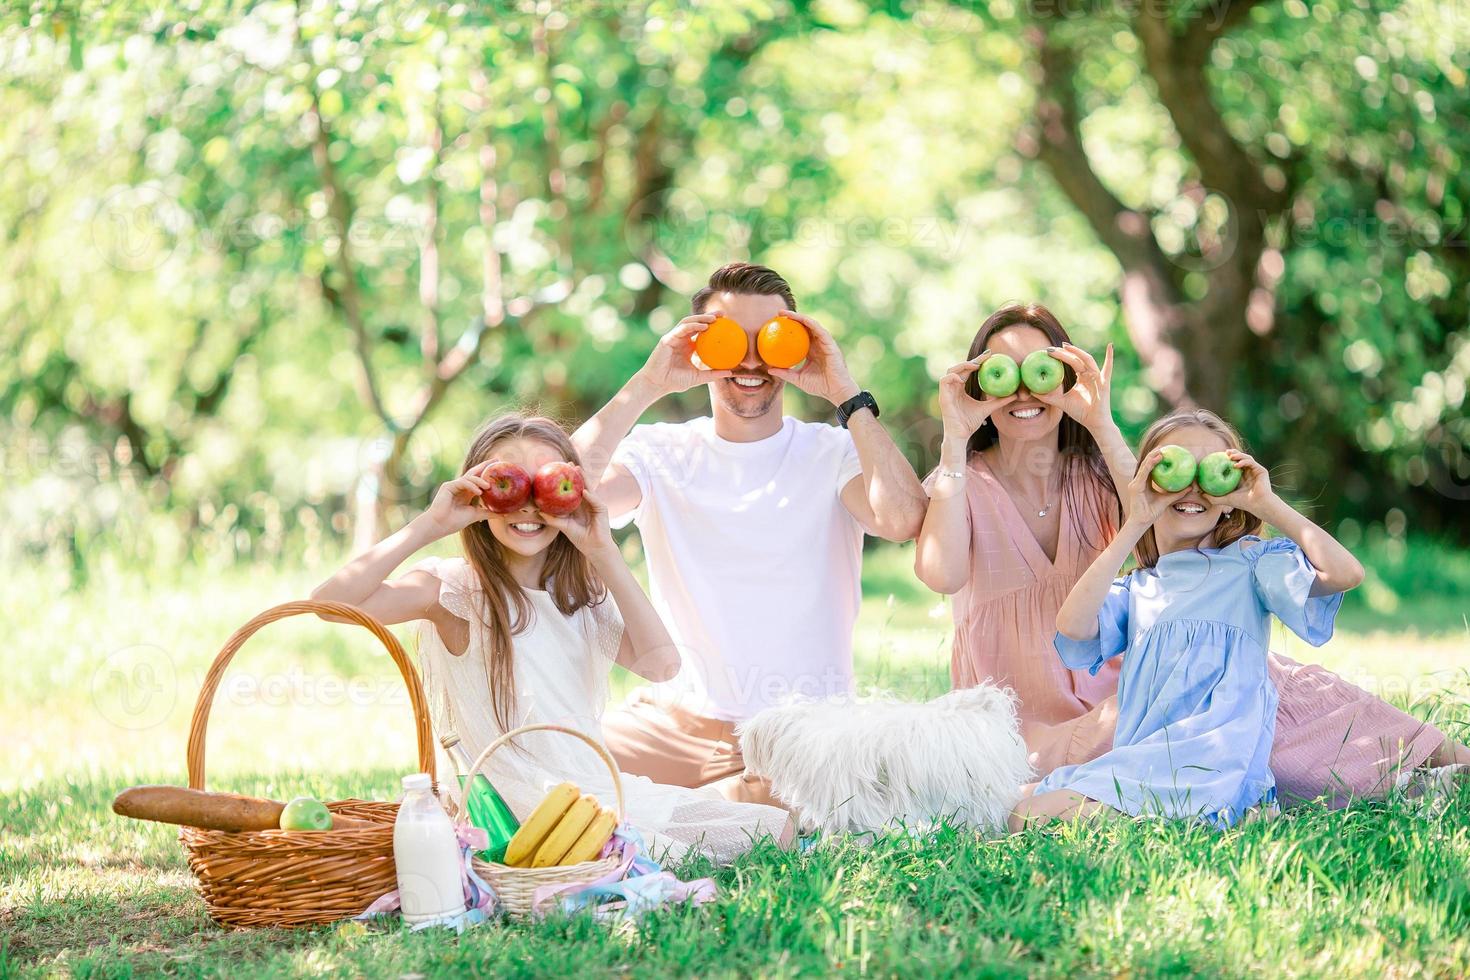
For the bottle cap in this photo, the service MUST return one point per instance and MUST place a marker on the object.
(418, 780)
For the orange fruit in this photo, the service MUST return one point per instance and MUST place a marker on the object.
(722, 345)
(783, 342)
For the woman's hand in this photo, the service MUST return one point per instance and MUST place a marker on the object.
(961, 414)
(1089, 400)
(587, 528)
(1254, 495)
(1145, 504)
(457, 504)
(669, 369)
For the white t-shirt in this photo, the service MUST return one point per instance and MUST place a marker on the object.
(753, 561)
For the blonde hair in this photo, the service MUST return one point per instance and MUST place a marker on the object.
(567, 577)
(1231, 527)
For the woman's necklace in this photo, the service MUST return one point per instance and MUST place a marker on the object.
(1041, 511)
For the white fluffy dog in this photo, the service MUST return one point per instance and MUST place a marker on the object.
(848, 765)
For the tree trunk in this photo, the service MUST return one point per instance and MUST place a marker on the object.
(1191, 349)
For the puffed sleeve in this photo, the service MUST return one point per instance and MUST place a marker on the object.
(453, 596)
(1112, 633)
(458, 585)
(606, 629)
(1283, 579)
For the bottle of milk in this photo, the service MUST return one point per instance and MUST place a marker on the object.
(427, 855)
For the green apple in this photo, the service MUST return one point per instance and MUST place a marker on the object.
(1041, 372)
(1175, 470)
(999, 376)
(306, 813)
(1218, 474)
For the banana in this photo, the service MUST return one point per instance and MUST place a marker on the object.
(590, 844)
(539, 824)
(573, 823)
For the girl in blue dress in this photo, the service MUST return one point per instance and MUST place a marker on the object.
(1196, 709)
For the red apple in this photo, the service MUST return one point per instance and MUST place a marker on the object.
(558, 488)
(510, 487)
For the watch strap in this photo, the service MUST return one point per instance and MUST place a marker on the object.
(863, 399)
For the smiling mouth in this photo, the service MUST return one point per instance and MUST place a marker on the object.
(1188, 507)
(749, 382)
(1026, 413)
(527, 529)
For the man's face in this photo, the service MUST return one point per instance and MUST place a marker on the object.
(752, 392)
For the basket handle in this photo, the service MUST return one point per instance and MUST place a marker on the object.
(505, 739)
(200, 721)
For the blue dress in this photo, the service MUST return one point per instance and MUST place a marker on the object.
(1196, 709)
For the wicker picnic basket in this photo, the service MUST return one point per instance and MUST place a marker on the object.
(298, 878)
(516, 887)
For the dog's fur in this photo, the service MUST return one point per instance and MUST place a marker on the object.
(848, 765)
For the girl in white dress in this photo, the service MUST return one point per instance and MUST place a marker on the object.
(525, 628)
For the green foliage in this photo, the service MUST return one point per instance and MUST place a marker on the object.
(188, 360)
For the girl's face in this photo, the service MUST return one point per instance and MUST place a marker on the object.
(1026, 419)
(1193, 516)
(523, 531)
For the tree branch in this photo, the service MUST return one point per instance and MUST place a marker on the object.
(596, 165)
(1223, 17)
(346, 298)
(492, 296)
(1057, 143)
(207, 401)
(542, 44)
(429, 248)
(1153, 305)
(1177, 64)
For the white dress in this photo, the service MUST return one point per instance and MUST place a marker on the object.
(561, 673)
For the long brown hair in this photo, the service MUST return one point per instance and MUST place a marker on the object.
(1231, 527)
(1085, 477)
(567, 577)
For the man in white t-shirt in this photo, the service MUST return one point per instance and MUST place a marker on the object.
(752, 524)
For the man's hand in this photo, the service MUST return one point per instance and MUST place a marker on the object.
(825, 373)
(669, 369)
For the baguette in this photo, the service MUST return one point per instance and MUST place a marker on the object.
(212, 811)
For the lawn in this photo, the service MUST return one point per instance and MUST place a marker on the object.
(100, 683)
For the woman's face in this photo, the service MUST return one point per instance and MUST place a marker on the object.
(1193, 516)
(1026, 419)
(524, 531)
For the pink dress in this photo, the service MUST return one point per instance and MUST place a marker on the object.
(1332, 738)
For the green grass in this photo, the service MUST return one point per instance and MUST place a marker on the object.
(1374, 890)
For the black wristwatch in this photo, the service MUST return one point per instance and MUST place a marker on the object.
(863, 399)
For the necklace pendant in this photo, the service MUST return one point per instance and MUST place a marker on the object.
(1043, 511)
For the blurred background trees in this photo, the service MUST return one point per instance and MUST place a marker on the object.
(265, 265)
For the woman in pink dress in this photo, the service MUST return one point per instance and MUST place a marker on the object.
(1023, 501)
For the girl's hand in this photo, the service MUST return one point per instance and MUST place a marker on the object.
(1254, 495)
(457, 504)
(1145, 504)
(961, 414)
(587, 527)
(1089, 400)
